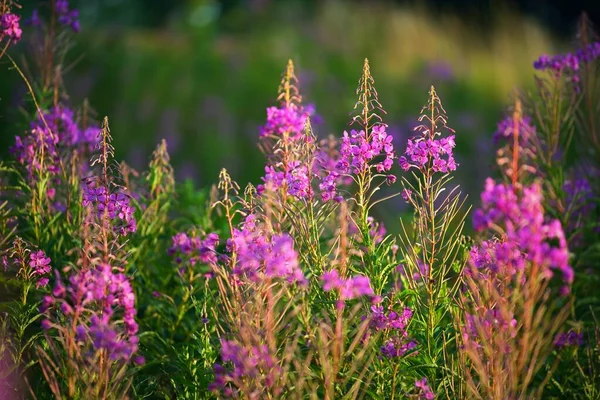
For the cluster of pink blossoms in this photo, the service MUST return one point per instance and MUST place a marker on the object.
(35, 269)
(527, 236)
(195, 250)
(423, 389)
(399, 344)
(262, 255)
(288, 120)
(358, 154)
(101, 304)
(115, 205)
(505, 130)
(423, 152)
(297, 180)
(255, 363)
(40, 265)
(55, 128)
(10, 28)
(351, 288)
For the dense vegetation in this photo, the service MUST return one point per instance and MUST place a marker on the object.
(126, 284)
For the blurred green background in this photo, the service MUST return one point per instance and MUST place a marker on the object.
(201, 73)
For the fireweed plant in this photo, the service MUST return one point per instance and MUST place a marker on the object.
(124, 284)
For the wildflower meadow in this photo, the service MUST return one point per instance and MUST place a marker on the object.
(125, 284)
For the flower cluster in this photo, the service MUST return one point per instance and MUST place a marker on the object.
(505, 130)
(328, 168)
(194, 250)
(424, 390)
(571, 338)
(357, 153)
(60, 120)
(100, 304)
(526, 238)
(55, 127)
(568, 64)
(297, 180)
(569, 61)
(33, 268)
(288, 120)
(10, 28)
(115, 205)
(40, 266)
(349, 289)
(256, 364)
(262, 255)
(67, 17)
(425, 152)
(399, 344)
(392, 321)
(37, 151)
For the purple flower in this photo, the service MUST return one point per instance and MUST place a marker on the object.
(261, 255)
(40, 266)
(406, 194)
(115, 206)
(527, 236)
(286, 120)
(425, 151)
(568, 65)
(397, 347)
(46, 324)
(107, 299)
(9, 24)
(242, 365)
(297, 180)
(571, 338)
(578, 205)
(392, 321)
(67, 17)
(424, 390)
(349, 289)
(55, 128)
(360, 153)
(440, 70)
(505, 130)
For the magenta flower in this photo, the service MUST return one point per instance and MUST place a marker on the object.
(392, 321)
(349, 289)
(568, 339)
(115, 206)
(527, 236)
(424, 390)
(9, 25)
(358, 154)
(397, 347)
(67, 17)
(286, 120)
(242, 365)
(505, 131)
(40, 266)
(105, 305)
(261, 255)
(424, 152)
